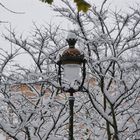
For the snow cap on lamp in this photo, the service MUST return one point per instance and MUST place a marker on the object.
(71, 39)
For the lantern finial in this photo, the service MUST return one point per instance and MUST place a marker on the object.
(71, 39)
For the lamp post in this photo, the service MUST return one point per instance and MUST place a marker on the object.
(71, 74)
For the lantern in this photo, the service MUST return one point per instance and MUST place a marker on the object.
(71, 73)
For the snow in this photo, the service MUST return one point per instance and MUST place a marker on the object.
(2, 137)
(55, 138)
(71, 35)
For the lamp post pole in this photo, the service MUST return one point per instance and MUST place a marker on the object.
(71, 105)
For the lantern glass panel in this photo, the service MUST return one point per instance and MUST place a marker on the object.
(72, 74)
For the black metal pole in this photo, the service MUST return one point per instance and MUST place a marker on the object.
(71, 104)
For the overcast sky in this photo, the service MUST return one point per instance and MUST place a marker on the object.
(36, 11)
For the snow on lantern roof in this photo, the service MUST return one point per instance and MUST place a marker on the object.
(71, 39)
(71, 35)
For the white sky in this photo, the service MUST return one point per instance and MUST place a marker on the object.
(36, 11)
(40, 12)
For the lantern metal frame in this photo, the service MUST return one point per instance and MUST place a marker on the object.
(67, 58)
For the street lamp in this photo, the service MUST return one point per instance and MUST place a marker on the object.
(71, 74)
